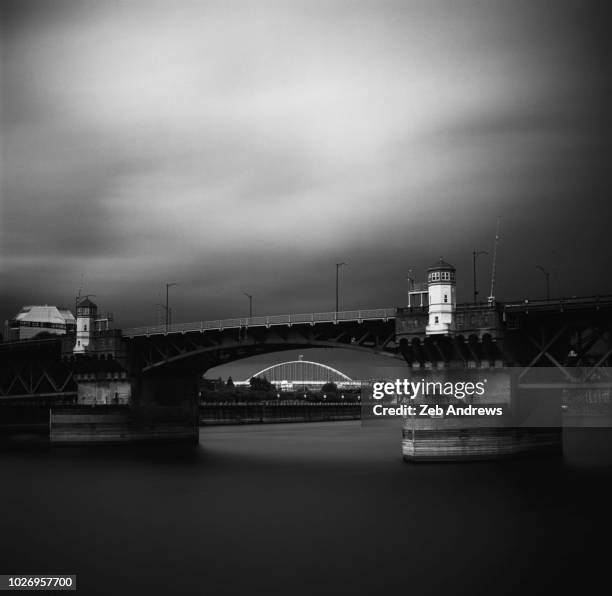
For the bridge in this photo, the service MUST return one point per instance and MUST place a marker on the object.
(154, 370)
(301, 372)
(560, 333)
(48, 368)
(219, 341)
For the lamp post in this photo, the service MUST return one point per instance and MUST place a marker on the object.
(168, 286)
(475, 255)
(338, 265)
(410, 280)
(250, 304)
(547, 276)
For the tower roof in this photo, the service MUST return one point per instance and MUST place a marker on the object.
(86, 302)
(441, 265)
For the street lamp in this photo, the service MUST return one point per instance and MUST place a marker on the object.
(547, 276)
(475, 255)
(338, 265)
(168, 286)
(250, 304)
(410, 280)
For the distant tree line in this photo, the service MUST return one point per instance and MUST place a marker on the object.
(261, 390)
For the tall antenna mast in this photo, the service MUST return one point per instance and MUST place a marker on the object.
(78, 296)
(492, 294)
(160, 306)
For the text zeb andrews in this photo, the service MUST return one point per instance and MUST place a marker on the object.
(423, 389)
(427, 410)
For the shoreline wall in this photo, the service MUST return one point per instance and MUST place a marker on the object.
(230, 414)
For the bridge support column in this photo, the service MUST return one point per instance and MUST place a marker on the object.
(446, 435)
(162, 407)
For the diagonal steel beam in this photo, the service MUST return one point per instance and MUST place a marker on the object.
(17, 377)
(65, 383)
(388, 339)
(362, 338)
(599, 363)
(51, 381)
(543, 348)
(552, 359)
(597, 334)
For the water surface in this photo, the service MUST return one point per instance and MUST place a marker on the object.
(300, 509)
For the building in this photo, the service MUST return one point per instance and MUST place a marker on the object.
(35, 319)
(100, 355)
(442, 299)
(87, 312)
(92, 333)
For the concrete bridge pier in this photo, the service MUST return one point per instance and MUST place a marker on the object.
(158, 404)
(527, 424)
(165, 404)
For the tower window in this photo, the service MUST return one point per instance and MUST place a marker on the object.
(437, 320)
(85, 326)
(445, 297)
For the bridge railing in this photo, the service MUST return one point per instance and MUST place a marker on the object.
(264, 321)
(573, 303)
(280, 319)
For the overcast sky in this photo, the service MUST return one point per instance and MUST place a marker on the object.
(242, 146)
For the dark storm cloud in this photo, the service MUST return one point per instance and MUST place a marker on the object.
(241, 147)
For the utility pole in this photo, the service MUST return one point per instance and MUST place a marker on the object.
(168, 286)
(547, 276)
(338, 265)
(250, 304)
(475, 255)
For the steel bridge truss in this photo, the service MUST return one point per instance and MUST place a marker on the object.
(35, 369)
(579, 350)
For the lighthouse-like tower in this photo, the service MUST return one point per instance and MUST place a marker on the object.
(441, 285)
(85, 323)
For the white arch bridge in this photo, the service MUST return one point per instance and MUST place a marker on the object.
(302, 372)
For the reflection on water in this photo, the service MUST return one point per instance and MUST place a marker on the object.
(298, 508)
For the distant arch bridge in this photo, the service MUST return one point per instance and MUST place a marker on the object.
(302, 372)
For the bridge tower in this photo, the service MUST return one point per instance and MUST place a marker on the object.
(441, 285)
(85, 325)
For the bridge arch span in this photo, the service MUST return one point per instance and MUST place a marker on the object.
(210, 348)
(303, 371)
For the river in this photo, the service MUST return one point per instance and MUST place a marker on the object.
(320, 508)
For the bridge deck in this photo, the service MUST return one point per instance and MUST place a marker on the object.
(376, 314)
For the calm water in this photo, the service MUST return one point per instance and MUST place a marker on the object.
(300, 509)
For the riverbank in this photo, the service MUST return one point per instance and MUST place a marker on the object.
(275, 413)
